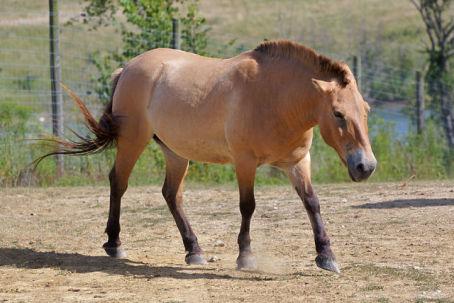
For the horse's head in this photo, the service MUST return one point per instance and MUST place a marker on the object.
(343, 125)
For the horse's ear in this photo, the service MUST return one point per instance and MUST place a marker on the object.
(324, 86)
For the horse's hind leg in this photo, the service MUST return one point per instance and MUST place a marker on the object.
(300, 176)
(176, 169)
(128, 151)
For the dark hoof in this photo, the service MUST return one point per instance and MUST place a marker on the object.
(327, 263)
(115, 251)
(246, 262)
(195, 259)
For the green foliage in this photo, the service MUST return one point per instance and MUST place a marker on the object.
(387, 74)
(427, 154)
(326, 165)
(152, 25)
(105, 66)
(27, 83)
(194, 31)
(16, 152)
(148, 26)
(211, 173)
(12, 118)
(439, 22)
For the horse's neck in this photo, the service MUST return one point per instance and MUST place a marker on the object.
(297, 101)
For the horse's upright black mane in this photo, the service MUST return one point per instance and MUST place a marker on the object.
(292, 50)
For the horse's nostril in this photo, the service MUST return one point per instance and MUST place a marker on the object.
(360, 168)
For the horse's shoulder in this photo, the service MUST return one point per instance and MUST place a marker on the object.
(244, 67)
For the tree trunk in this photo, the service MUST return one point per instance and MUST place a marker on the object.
(447, 116)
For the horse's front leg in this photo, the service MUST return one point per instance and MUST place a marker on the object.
(300, 176)
(245, 172)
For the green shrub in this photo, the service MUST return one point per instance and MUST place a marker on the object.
(16, 150)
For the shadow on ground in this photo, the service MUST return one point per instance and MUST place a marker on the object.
(407, 203)
(73, 262)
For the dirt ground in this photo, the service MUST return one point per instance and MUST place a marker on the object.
(394, 243)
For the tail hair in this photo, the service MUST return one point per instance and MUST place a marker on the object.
(105, 131)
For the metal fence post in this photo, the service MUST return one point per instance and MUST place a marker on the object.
(419, 103)
(176, 34)
(357, 70)
(55, 78)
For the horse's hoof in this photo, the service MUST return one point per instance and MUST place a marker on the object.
(195, 259)
(115, 251)
(246, 262)
(327, 263)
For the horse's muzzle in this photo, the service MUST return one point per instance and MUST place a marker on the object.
(359, 166)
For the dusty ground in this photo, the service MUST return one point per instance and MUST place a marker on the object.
(394, 243)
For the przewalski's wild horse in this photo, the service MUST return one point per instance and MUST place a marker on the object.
(257, 108)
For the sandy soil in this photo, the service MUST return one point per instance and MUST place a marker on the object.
(394, 243)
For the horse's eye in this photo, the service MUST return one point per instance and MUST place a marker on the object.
(339, 115)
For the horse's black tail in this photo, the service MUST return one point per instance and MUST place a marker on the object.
(105, 131)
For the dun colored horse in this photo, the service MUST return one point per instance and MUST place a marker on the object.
(259, 107)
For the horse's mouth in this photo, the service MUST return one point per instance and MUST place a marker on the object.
(354, 179)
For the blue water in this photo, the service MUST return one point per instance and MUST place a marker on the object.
(400, 121)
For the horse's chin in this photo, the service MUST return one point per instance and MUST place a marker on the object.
(354, 179)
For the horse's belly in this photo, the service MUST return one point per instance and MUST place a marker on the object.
(201, 150)
(191, 133)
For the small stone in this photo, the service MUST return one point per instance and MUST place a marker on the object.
(275, 207)
(213, 259)
(32, 214)
(74, 289)
(344, 200)
(219, 243)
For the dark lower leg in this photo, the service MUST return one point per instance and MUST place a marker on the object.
(112, 246)
(322, 242)
(190, 241)
(245, 171)
(246, 259)
(174, 201)
(247, 207)
(325, 257)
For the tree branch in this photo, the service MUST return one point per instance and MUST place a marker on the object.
(427, 21)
